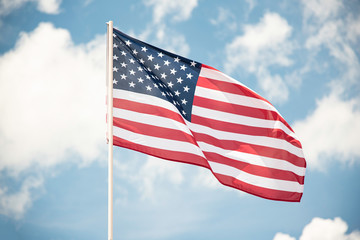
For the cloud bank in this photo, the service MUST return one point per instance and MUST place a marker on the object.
(324, 229)
(52, 102)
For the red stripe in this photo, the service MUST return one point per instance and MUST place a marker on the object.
(228, 87)
(183, 157)
(251, 148)
(239, 110)
(235, 89)
(154, 131)
(244, 129)
(259, 191)
(255, 169)
(147, 109)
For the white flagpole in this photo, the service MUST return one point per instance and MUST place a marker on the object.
(110, 126)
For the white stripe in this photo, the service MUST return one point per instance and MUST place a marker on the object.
(217, 75)
(239, 119)
(144, 98)
(269, 183)
(257, 140)
(155, 142)
(233, 98)
(154, 120)
(253, 159)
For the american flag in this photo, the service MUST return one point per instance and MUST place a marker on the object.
(178, 109)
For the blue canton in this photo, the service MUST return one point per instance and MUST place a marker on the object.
(143, 68)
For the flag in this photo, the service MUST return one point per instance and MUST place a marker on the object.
(181, 110)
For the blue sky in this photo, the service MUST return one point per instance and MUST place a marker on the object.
(302, 56)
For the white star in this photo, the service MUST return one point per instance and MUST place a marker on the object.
(135, 52)
(144, 49)
(115, 45)
(150, 57)
(115, 57)
(128, 43)
(115, 69)
(123, 76)
(176, 59)
(162, 93)
(157, 66)
(123, 65)
(147, 77)
(132, 60)
(170, 84)
(140, 69)
(166, 63)
(160, 54)
(155, 85)
(114, 81)
(123, 53)
(184, 101)
(189, 75)
(186, 89)
(193, 64)
(173, 71)
(148, 88)
(141, 60)
(132, 84)
(179, 80)
(140, 80)
(183, 67)
(163, 75)
(149, 69)
(183, 112)
(177, 93)
(132, 72)
(114, 35)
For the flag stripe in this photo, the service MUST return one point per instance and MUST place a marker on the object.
(289, 196)
(155, 120)
(237, 146)
(238, 119)
(252, 158)
(277, 144)
(243, 129)
(154, 131)
(254, 168)
(177, 156)
(213, 74)
(269, 183)
(150, 109)
(156, 142)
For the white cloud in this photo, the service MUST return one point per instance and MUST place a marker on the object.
(52, 99)
(151, 177)
(336, 30)
(164, 37)
(321, 9)
(263, 45)
(330, 131)
(52, 104)
(16, 204)
(178, 10)
(324, 229)
(225, 20)
(282, 236)
(45, 6)
(156, 171)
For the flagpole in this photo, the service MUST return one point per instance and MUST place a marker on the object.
(109, 70)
